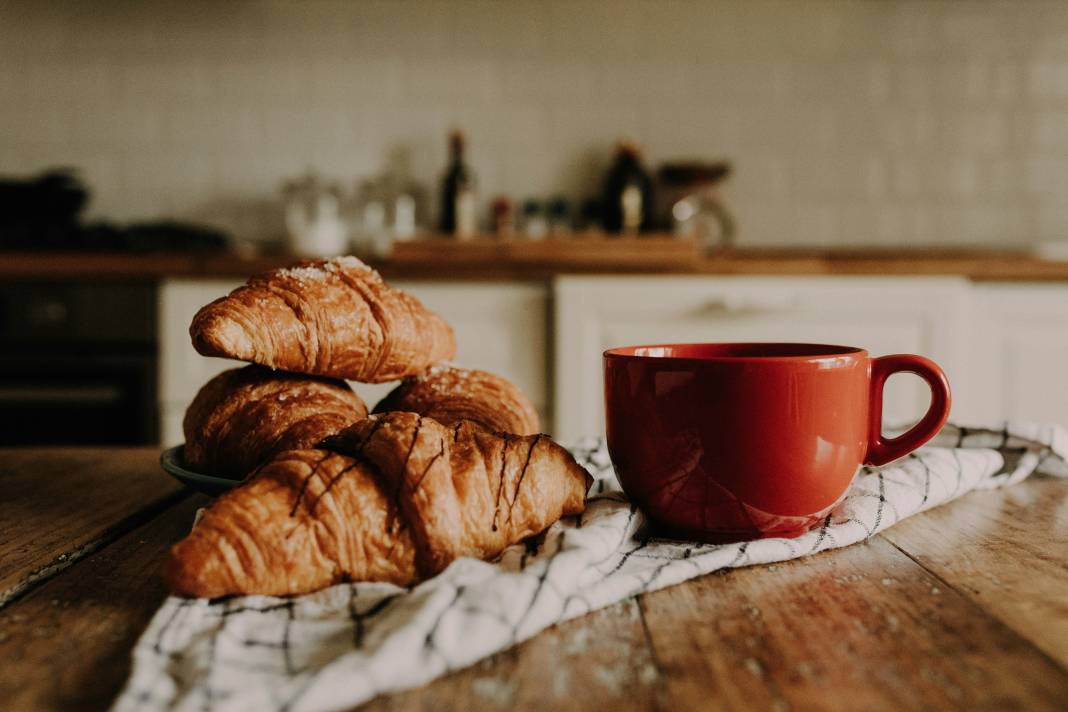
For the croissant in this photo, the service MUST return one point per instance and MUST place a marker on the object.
(449, 394)
(244, 416)
(332, 318)
(395, 497)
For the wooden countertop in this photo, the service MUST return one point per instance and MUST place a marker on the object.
(957, 608)
(540, 261)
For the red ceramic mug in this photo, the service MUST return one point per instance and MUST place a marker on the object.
(726, 442)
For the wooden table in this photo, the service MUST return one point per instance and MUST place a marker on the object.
(963, 607)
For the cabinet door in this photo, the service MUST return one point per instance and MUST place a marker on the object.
(499, 328)
(899, 315)
(1020, 349)
(182, 371)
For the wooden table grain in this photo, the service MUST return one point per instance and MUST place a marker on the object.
(963, 607)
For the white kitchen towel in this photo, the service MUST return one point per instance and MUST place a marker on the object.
(336, 648)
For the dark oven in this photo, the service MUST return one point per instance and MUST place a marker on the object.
(78, 364)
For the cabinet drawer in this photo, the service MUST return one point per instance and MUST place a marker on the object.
(901, 315)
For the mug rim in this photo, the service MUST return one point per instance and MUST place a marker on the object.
(792, 352)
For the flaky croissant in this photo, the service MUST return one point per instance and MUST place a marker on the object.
(449, 394)
(332, 318)
(395, 497)
(244, 416)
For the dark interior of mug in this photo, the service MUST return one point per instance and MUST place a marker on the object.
(735, 350)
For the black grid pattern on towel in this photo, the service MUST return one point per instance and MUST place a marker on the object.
(344, 645)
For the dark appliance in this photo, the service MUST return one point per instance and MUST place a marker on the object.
(43, 213)
(78, 364)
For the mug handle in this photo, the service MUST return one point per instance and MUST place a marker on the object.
(882, 450)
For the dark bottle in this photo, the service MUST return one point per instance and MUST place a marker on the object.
(458, 210)
(590, 216)
(559, 213)
(627, 200)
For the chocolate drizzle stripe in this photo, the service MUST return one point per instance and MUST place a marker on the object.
(367, 438)
(331, 483)
(500, 480)
(522, 474)
(419, 482)
(402, 476)
(411, 445)
(307, 480)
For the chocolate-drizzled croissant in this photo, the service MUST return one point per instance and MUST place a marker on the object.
(395, 497)
(449, 394)
(332, 318)
(244, 416)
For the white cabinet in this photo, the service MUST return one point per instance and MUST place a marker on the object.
(927, 316)
(182, 371)
(1003, 346)
(1019, 348)
(499, 327)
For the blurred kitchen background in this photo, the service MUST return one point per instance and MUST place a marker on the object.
(849, 123)
(890, 174)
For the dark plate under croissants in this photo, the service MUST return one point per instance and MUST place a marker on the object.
(172, 460)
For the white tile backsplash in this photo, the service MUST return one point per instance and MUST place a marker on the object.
(1049, 80)
(849, 122)
(1047, 176)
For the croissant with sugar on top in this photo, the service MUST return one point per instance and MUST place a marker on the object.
(449, 394)
(243, 416)
(333, 318)
(395, 497)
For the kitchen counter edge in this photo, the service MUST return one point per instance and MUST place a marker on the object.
(979, 266)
